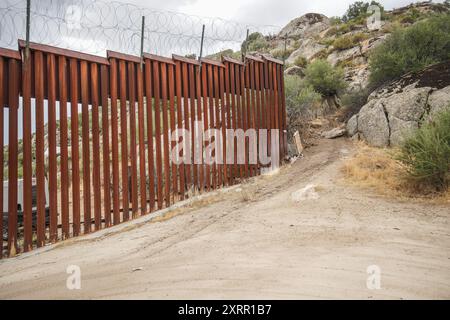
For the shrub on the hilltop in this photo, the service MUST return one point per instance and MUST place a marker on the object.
(359, 9)
(411, 49)
(301, 61)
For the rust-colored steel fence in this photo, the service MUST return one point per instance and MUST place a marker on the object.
(89, 139)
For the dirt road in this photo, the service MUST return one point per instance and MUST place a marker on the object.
(255, 242)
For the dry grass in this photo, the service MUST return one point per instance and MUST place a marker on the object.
(376, 169)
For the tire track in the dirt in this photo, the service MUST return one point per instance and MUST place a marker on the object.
(322, 156)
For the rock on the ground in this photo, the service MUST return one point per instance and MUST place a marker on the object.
(334, 133)
(306, 193)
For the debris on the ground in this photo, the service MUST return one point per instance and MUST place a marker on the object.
(137, 269)
(293, 159)
(306, 193)
(334, 133)
(298, 142)
(319, 122)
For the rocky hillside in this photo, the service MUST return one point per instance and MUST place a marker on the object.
(346, 44)
(400, 106)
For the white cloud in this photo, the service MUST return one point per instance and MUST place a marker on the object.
(261, 12)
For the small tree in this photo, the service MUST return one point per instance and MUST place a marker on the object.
(301, 61)
(324, 78)
(359, 9)
(255, 42)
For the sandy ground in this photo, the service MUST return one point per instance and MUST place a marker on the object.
(253, 241)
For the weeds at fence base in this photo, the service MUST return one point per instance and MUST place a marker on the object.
(376, 169)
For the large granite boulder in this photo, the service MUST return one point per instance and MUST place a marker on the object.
(373, 124)
(308, 49)
(395, 110)
(343, 55)
(305, 26)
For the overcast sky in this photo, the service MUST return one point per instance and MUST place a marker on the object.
(272, 12)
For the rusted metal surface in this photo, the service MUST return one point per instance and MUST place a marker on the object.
(75, 168)
(186, 124)
(171, 82)
(124, 139)
(141, 129)
(80, 56)
(157, 101)
(151, 163)
(113, 72)
(40, 145)
(205, 100)
(85, 134)
(2, 106)
(27, 155)
(239, 109)
(106, 146)
(192, 78)
(52, 164)
(199, 143)
(124, 113)
(165, 133)
(96, 146)
(211, 120)
(133, 155)
(64, 136)
(13, 104)
(179, 95)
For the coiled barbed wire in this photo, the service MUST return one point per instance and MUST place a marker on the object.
(96, 26)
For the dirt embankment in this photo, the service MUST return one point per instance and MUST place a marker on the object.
(254, 241)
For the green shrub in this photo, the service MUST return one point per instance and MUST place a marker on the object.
(331, 31)
(322, 54)
(411, 16)
(335, 21)
(411, 49)
(343, 43)
(301, 61)
(358, 10)
(298, 92)
(324, 78)
(256, 42)
(349, 41)
(301, 99)
(281, 53)
(326, 41)
(426, 153)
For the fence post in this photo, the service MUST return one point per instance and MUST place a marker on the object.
(142, 42)
(201, 43)
(27, 39)
(246, 45)
(285, 49)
